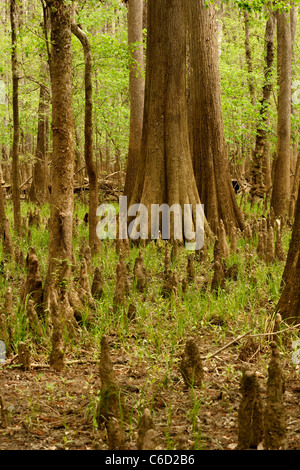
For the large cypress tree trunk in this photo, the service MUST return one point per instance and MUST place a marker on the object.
(206, 122)
(94, 241)
(165, 171)
(281, 181)
(16, 123)
(61, 219)
(136, 91)
(289, 303)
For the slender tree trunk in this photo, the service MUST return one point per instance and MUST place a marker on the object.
(107, 154)
(295, 137)
(61, 219)
(206, 122)
(249, 58)
(136, 91)
(16, 123)
(294, 191)
(38, 189)
(2, 208)
(261, 157)
(94, 241)
(281, 182)
(289, 303)
(165, 170)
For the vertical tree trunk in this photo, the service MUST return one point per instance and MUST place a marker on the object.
(249, 58)
(206, 122)
(136, 91)
(289, 303)
(16, 123)
(107, 154)
(260, 157)
(294, 190)
(165, 170)
(295, 137)
(94, 241)
(5, 234)
(61, 219)
(38, 188)
(281, 181)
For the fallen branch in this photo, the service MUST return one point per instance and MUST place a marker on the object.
(37, 365)
(276, 332)
(209, 356)
(226, 346)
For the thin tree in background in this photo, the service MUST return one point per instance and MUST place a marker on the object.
(39, 185)
(16, 122)
(249, 58)
(94, 241)
(260, 159)
(295, 160)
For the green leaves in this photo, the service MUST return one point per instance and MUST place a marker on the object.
(259, 5)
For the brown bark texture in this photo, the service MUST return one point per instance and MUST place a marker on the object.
(61, 218)
(207, 137)
(281, 181)
(136, 91)
(294, 190)
(16, 120)
(260, 155)
(94, 241)
(165, 172)
(39, 185)
(2, 206)
(249, 58)
(295, 134)
(289, 302)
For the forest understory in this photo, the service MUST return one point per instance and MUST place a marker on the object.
(232, 323)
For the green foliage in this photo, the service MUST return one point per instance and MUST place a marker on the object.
(240, 117)
(105, 25)
(260, 5)
(106, 29)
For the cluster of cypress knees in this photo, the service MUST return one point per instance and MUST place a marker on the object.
(256, 424)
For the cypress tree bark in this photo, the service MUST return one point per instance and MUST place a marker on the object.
(206, 122)
(260, 152)
(61, 218)
(289, 303)
(165, 170)
(281, 180)
(136, 91)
